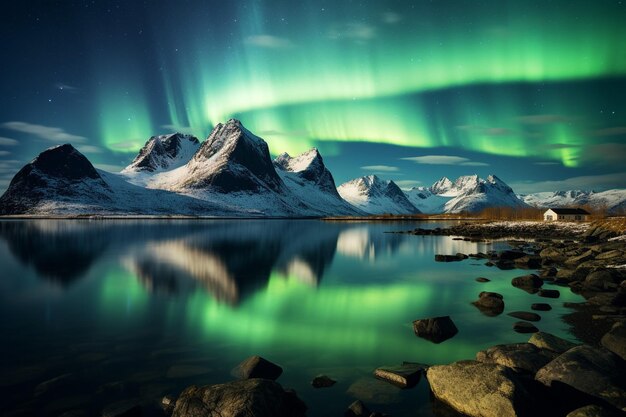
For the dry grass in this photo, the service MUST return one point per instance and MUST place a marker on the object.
(615, 224)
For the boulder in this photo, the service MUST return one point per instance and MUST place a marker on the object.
(525, 315)
(479, 389)
(524, 327)
(247, 398)
(548, 272)
(592, 371)
(518, 356)
(549, 293)
(592, 411)
(448, 258)
(257, 367)
(511, 255)
(435, 329)
(552, 253)
(357, 409)
(603, 279)
(587, 256)
(530, 281)
(403, 376)
(482, 279)
(551, 342)
(323, 381)
(541, 307)
(490, 303)
(615, 340)
(610, 254)
(528, 261)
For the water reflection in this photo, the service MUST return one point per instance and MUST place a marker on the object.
(59, 251)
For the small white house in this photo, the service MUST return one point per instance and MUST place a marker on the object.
(566, 215)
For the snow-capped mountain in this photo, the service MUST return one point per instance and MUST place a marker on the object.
(164, 152)
(376, 196)
(468, 193)
(614, 201)
(233, 166)
(307, 176)
(62, 181)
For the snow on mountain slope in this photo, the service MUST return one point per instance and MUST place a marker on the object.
(164, 152)
(612, 200)
(376, 196)
(426, 201)
(468, 193)
(62, 181)
(233, 167)
(307, 177)
(476, 194)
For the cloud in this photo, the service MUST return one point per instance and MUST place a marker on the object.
(54, 134)
(380, 168)
(610, 131)
(391, 18)
(126, 146)
(10, 166)
(544, 119)
(444, 160)
(4, 153)
(604, 153)
(407, 184)
(590, 182)
(356, 31)
(89, 149)
(179, 129)
(109, 167)
(8, 141)
(269, 41)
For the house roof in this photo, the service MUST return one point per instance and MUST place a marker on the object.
(569, 211)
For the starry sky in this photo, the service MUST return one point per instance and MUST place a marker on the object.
(532, 91)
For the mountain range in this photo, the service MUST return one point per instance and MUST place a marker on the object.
(231, 173)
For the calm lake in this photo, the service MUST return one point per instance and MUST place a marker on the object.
(125, 309)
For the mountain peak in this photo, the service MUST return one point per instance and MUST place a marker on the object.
(164, 152)
(64, 161)
(233, 159)
(376, 196)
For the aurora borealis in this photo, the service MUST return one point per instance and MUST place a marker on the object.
(530, 91)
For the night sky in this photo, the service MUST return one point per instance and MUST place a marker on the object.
(533, 91)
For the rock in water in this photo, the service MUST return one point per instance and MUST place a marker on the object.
(479, 389)
(490, 303)
(615, 340)
(248, 398)
(524, 327)
(403, 376)
(525, 315)
(526, 282)
(435, 329)
(518, 356)
(482, 279)
(551, 342)
(357, 409)
(322, 381)
(541, 307)
(549, 293)
(257, 367)
(590, 370)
